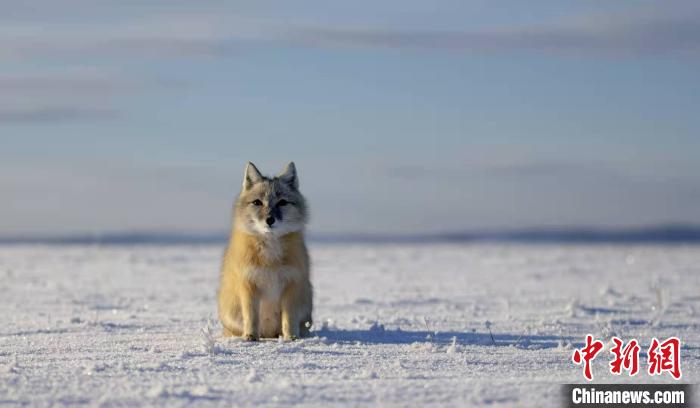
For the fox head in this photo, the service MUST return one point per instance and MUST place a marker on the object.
(270, 206)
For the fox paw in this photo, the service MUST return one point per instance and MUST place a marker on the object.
(291, 337)
(250, 337)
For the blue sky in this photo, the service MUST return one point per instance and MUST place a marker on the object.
(402, 117)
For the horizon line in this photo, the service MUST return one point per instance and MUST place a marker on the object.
(660, 233)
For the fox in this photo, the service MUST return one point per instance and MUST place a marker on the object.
(265, 289)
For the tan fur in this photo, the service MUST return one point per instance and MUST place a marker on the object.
(265, 286)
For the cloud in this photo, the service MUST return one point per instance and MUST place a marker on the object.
(53, 114)
(64, 96)
(160, 36)
(671, 30)
(80, 82)
(665, 33)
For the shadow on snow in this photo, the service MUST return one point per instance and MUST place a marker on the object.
(383, 336)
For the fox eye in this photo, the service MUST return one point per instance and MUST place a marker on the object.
(257, 203)
(282, 203)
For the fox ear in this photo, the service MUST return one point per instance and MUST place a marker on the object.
(289, 175)
(252, 175)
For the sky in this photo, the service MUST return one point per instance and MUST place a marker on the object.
(401, 116)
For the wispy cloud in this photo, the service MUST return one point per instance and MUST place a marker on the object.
(53, 114)
(502, 168)
(667, 32)
(64, 96)
(159, 36)
(76, 82)
(671, 30)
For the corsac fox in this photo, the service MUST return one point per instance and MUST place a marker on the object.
(265, 284)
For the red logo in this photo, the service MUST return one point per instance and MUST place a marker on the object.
(662, 357)
(627, 357)
(665, 357)
(587, 354)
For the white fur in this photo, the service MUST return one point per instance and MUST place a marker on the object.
(271, 281)
(278, 229)
(272, 249)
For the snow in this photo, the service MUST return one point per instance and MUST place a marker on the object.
(395, 325)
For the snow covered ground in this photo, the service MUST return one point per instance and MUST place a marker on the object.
(395, 325)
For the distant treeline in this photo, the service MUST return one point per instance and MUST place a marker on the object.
(658, 234)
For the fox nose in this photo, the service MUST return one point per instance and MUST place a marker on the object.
(270, 221)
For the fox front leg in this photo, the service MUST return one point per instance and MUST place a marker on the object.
(289, 306)
(250, 306)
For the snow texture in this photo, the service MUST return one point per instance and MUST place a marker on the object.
(395, 325)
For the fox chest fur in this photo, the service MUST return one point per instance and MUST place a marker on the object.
(271, 275)
(269, 265)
